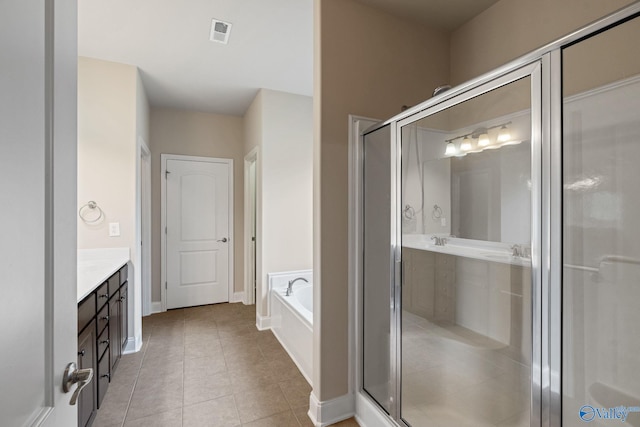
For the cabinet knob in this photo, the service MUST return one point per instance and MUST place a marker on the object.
(122, 299)
(82, 352)
(103, 296)
(105, 342)
(105, 318)
(107, 375)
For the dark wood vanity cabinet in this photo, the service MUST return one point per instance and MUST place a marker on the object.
(87, 401)
(124, 314)
(102, 336)
(115, 329)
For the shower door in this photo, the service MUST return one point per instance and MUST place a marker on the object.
(601, 236)
(469, 175)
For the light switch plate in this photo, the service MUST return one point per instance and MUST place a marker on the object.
(114, 229)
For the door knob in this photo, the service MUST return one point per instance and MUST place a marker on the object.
(74, 375)
(223, 240)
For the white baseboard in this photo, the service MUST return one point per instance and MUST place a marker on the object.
(331, 411)
(237, 297)
(133, 345)
(263, 322)
(156, 307)
(369, 414)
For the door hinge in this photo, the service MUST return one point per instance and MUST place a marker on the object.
(165, 230)
(165, 285)
(166, 174)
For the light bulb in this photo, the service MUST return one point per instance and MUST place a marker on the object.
(483, 140)
(504, 135)
(465, 145)
(450, 150)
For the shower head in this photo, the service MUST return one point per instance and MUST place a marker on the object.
(441, 89)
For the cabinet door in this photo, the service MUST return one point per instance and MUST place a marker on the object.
(104, 376)
(87, 359)
(114, 329)
(124, 315)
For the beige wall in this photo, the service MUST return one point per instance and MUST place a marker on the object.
(107, 150)
(281, 125)
(512, 28)
(195, 134)
(366, 63)
(113, 113)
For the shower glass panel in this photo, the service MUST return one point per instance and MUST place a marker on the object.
(377, 266)
(601, 235)
(466, 254)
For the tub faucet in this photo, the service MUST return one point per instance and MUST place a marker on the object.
(291, 282)
(516, 250)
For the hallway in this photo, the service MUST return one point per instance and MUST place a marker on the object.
(207, 366)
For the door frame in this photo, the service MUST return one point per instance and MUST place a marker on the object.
(143, 226)
(163, 221)
(253, 157)
(357, 125)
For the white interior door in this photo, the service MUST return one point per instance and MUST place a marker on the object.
(197, 235)
(38, 322)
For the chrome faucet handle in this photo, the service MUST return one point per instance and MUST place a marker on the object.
(516, 250)
(440, 241)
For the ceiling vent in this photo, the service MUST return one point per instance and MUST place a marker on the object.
(220, 31)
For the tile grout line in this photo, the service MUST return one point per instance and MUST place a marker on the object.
(126, 411)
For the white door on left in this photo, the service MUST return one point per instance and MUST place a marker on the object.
(38, 326)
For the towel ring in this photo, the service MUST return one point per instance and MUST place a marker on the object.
(436, 213)
(409, 213)
(85, 212)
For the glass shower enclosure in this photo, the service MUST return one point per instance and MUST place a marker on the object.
(500, 260)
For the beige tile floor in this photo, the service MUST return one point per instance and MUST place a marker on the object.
(207, 366)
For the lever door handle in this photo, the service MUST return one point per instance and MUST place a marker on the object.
(223, 240)
(73, 375)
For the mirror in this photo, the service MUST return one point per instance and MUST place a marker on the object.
(467, 170)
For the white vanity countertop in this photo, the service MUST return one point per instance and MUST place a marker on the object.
(97, 265)
(484, 251)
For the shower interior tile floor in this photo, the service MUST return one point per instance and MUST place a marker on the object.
(454, 377)
(207, 366)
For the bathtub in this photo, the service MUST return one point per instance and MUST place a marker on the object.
(292, 317)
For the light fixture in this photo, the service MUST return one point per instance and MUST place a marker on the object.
(450, 150)
(465, 145)
(483, 140)
(479, 140)
(512, 142)
(504, 135)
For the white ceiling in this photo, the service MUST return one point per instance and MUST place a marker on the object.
(270, 46)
